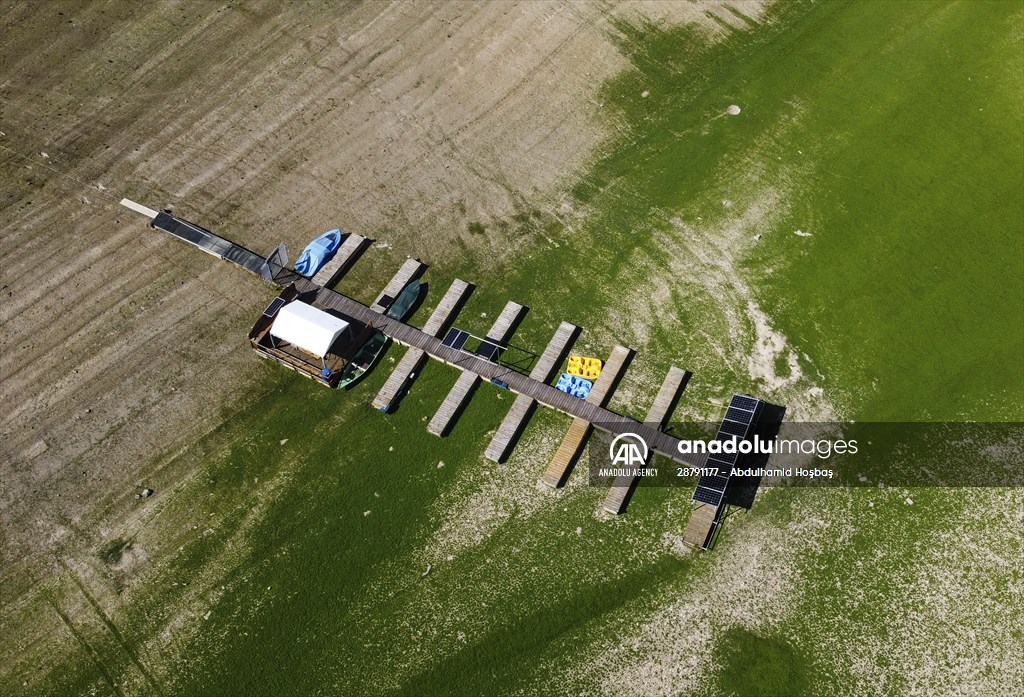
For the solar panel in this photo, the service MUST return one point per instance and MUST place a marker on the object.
(702, 495)
(725, 460)
(275, 305)
(489, 350)
(738, 418)
(733, 428)
(455, 338)
(741, 415)
(743, 402)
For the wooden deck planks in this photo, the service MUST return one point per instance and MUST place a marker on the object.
(411, 362)
(661, 409)
(701, 525)
(515, 420)
(555, 352)
(567, 454)
(503, 328)
(612, 372)
(500, 332)
(668, 396)
(450, 304)
(510, 429)
(445, 311)
(452, 405)
(412, 268)
(350, 250)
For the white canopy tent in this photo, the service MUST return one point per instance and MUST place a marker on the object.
(307, 327)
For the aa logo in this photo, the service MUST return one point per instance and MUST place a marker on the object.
(628, 450)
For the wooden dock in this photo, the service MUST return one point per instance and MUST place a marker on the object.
(568, 453)
(454, 403)
(412, 362)
(414, 358)
(612, 372)
(351, 249)
(701, 526)
(515, 420)
(508, 321)
(500, 333)
(576, 437)
(412, 268)
(530, 390)
(661, 409)
(448, 308)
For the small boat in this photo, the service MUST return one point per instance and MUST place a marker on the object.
(318, 252)
(400, 308)
(364, 359)
(368, 354)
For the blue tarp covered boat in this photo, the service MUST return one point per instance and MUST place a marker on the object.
(316, 254)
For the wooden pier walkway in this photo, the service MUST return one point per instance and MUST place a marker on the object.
(412, 268)
(349, 252)
(702, 523)
(515, 420)
(576, 437)
(414, 358)
(508, 321)
(611, 374)
(499, 333)
(444, 314)
(661, 409)
(454, 403)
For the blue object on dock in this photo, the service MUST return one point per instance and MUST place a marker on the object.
(574, 385)
(317, 252)
(500, 383)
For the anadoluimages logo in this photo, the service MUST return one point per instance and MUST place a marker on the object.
(628, 453)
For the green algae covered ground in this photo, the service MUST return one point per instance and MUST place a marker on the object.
(849, 245)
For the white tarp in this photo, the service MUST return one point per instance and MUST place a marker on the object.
(308, 328)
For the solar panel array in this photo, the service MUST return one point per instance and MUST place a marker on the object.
(739, 418)
(273, 307)
(455, 338)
